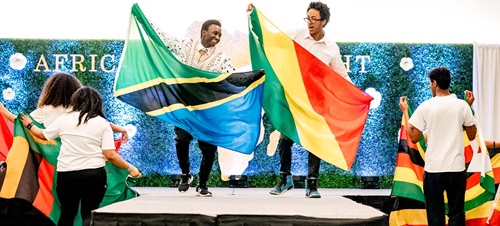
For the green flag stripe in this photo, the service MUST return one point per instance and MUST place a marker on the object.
(407, 190)
(274, 101)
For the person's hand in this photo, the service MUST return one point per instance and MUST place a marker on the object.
(403, 104)
(25, 120)
(250, 7)
(124, 138)
(469, 97)
(135, 172)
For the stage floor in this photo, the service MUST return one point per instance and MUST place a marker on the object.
(242, 206)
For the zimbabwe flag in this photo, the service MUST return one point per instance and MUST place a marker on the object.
(304, 98)
(30, 176)
(220, 109)
(409, 208)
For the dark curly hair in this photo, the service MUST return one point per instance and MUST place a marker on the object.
(323, 9)
(88, 102)
(58, 89)
(442, 76)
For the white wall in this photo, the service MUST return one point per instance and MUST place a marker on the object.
(436, 21)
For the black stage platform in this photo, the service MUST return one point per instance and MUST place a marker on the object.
(246, 206)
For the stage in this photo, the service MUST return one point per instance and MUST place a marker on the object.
(246, 206)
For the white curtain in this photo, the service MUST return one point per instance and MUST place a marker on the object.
(486, 88)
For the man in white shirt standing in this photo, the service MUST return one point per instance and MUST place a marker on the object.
(316, 42)
(443, 117)
(202, 54)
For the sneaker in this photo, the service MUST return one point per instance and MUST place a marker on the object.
(203, 191)
(186, 180)
(285, 184)
(311, 188)
(310, 193)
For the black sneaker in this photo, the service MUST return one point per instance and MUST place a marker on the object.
(186, 179)
(203, 191)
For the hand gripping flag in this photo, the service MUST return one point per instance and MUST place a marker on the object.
(30, 176)
(409, 208)
(220, 109)
(305, 99)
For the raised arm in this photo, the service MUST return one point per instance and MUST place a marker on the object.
(6, 113)
(119, 129)
(413, 132)
(26, 121)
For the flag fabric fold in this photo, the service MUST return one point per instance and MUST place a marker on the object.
(409, 208)
(31, 175)
(220, 109)
(305, 99)
(6, 130)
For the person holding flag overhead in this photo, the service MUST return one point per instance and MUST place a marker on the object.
(202, 54)
(315, 40)
(443, 117)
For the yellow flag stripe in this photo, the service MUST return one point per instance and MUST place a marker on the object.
(407, 175)
(174, 107)
(16, 160)
(481, 211)
(408, 217)
(312, 129)
(169, 81)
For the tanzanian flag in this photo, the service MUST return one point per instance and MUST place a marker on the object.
(31, 176)
(304, 98)
(220, 109)
(409, 208)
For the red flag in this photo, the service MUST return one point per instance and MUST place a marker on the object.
(6, 137)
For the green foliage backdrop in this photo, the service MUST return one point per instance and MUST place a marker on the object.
(152, 149)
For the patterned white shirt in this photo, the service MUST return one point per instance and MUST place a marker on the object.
(188, 51)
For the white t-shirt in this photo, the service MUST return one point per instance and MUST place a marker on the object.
(82, 145)
(325, 49)
(48, 113)
(443, 118)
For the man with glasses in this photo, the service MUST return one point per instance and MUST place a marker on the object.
(202, 54)
(316, 42)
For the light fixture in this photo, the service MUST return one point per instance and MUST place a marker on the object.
(238, 181)
(299, 181)
(370, 182)
(175, 180)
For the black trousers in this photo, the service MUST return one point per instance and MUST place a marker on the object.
(435, 184)
(182, 141)
(82, 187)
(285, 151)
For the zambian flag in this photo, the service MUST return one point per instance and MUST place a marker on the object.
(409, 208)
(30, 176)
(304, 98)
(220, 109)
